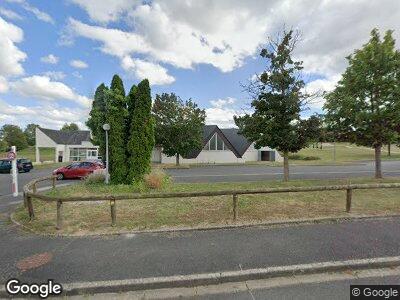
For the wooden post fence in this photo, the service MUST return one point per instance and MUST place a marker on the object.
(54, 182)
(59, 215)
(30, 190)
(30, 207)
(235, 209)
(113, 212)
(349, 194)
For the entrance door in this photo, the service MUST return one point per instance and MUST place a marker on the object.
(91, 154)
(267, 155)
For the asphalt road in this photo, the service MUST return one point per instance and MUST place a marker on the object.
(24, 178)
(239, 173)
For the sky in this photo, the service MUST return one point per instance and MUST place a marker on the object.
(54, 53)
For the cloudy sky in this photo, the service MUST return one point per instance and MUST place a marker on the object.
(53, 54)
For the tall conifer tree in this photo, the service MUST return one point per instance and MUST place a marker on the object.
(141, 141)
(116, 116)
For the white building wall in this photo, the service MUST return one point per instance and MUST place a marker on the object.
(43, 140)
(213, 156)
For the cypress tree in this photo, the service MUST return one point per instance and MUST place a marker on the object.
(141, 141)
(97, 117)
(116, 115)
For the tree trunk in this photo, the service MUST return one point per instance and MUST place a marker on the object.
(389, 149)
(177, 159)
(378, 161)
(285, 166)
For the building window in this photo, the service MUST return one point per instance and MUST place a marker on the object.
(77, 154)
(215, 143)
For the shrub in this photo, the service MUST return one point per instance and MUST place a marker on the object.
(156, 179)
(96, 177)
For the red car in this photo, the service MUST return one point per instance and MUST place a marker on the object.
(76, 170)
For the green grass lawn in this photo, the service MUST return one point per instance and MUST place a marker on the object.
(345, 152)
(46, 154)
(94, 217)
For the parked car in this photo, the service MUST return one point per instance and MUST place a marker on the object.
(23, 165)
(76, 170)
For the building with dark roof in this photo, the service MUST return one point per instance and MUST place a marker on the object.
(68, 145)
(222, 145)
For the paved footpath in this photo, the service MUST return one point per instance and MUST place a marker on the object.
(148, 255)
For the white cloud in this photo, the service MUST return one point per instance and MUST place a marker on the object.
(155, 73)
(223, 33)
(50, 59)
(55, 75)
(106, 11)
(221, 113)
(79, 64)
(41, 87)
(320, 86)
(3, 85)
(34, 10)
(10, 56)
(222, 102)
(47, 115)
(9, 14)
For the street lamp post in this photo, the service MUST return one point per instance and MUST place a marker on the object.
(106, 128)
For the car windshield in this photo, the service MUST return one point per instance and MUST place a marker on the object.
(73, 165)
(23, 160)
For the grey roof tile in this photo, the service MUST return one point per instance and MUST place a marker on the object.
(67, 137)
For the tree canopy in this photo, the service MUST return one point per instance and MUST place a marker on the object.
(97, 118)
(70, 127)
(179, 125)
(278, 100)
(141, 140)
(115, 117)
(364, 108)
(30, 133)
(13, 135)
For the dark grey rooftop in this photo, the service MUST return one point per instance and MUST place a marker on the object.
(238, 141)
(67, 137)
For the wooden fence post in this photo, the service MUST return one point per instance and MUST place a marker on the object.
(113, 212)
(34, 189)
(30, 208)
(25, 200)
(59, 215)
(54, 182)
(235, 212)
(349, 194)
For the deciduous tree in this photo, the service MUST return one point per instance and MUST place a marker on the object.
(30, 133)
(278, 100)
(365, 105)
(70, 127)
(13, 136)
(179, 125)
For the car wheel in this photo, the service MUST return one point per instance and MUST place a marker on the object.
(60, 176)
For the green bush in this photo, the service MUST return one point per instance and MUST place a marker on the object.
(95, 178)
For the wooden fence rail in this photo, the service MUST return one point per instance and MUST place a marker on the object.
(30, 191)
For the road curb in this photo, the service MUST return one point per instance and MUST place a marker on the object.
(270, 224)
(193, 280)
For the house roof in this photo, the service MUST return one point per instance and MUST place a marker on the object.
(67, 137)
(236, 142)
